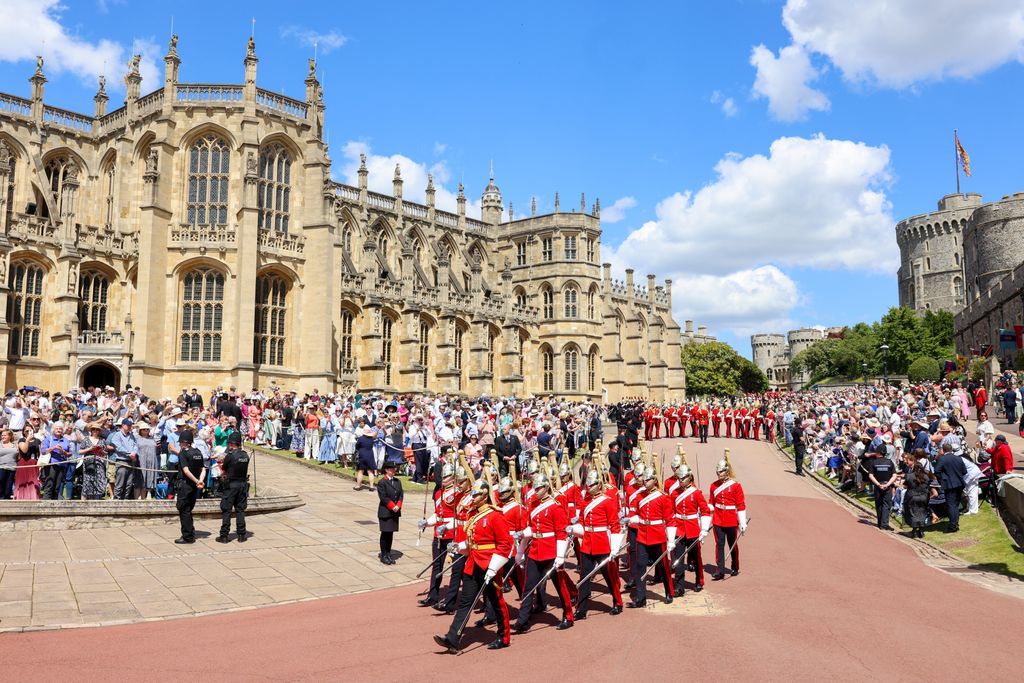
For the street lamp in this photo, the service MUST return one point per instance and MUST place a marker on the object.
(884, 348)
(865, 366)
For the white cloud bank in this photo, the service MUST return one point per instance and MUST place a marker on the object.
(617, 211)
(811, 202)
(33, 27)
(887, 44)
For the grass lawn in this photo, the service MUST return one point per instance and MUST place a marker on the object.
(336, 470)
(982, 540)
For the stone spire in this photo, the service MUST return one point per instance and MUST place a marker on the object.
(511, 215)
(101, 98)
(363, 173)
(490, 203)
(461, 200)
(557, 209)
(430, 189)
(133, 80)
(398, 181)
(38, 80)
(171, 62)
(583, 202)
(597, 208)
(533, 206)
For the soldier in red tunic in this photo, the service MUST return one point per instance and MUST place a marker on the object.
(758, 418)
(443, 521)
(693, 520)
(671, 420)
(463, 508)
(600, 531)
(648, 419)
(694, 418)
(672, 483)
(769, 426)
(684, 416)
(716, 419)
(548, 546)
(729, 517)
(656, 531)
(728, 418)
(487, 547)
(703, 418)
(632, 493)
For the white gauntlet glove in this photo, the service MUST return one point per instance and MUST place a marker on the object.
(635, 519)
(742, 514)
(422, 524)
(560, 548)
(705, 527)
(577, 530)
(672, 531)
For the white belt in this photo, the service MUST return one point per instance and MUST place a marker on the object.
(447, 520)
(687, 516)
(547, 534)
(724, 507)
(595, 528)
(460, 522)
(652, 522)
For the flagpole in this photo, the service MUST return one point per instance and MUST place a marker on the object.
(956, 160)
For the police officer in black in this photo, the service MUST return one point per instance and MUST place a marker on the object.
(191, 475)
(236, 491)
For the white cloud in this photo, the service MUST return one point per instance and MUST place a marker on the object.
(784, 80)
(617, 211)
(325, 41)
(728, 104)
(745, 302)
(810, 203)
(896, 44)
(33, 27)
(381, 175)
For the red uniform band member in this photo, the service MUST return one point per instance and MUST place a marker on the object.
(758, 419)
(684, 417)
(463, 508)
(703, 419)
(443, 521)
(634, 487)
(693, 520)
(549, 545)
(600, 531)
(487, 547)
(729, 517)
(671, 420)
(716, 419)
(769, 426)
(728, 417)
(654, 517)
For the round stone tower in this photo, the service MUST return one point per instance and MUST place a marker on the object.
(798, 341)
(490, 204)
(931, 274)
(768, 349)
(993, 243)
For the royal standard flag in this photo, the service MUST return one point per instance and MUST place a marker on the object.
(964, 159)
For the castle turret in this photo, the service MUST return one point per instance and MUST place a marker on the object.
(491, 206)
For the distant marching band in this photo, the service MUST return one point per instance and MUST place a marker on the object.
(494, 533)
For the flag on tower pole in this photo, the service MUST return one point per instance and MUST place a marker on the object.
(961, 159)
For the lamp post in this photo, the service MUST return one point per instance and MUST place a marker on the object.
(884, 348)
(865, 366)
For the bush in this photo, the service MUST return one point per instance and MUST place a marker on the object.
(924, 369)
(978, 369)
(1018, 361)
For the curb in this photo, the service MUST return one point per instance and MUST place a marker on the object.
(340, 474)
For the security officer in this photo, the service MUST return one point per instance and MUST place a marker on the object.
(236, 492)
(191, 475)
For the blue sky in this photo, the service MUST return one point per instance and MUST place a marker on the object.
(759, 152)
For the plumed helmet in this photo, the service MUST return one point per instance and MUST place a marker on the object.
(638, 469)
(532, 467)
(723, 466)
(684, 471)
(540, 481)
(593, 479)
(480, 488)
(649, 474)
(460, 473)
(677, 462)
(506, 487)
(636, 455)
(447, 471)
(563, 470)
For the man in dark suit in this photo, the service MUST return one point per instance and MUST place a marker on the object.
(389, 511)
(951, 473)
(508, 447)
(544, 441)
(615, 462)
(595, 432)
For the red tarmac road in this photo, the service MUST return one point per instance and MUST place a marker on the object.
(820, 597)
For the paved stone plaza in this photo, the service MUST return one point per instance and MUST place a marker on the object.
(52, 579)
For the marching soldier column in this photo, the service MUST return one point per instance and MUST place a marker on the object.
(501, 533)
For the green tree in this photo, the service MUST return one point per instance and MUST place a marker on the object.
(752, 380)
(923, 369)
(939, 325)
(977, 369)
(818, 359)
(1018, 361)
(712, 368)
(900, 329)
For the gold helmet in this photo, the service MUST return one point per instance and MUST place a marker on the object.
(481, 487)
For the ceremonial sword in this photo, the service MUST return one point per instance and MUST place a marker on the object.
(546, 576)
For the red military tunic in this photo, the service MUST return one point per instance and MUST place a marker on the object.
(703, 417)
(726, 499)
(570, 493)
(599, 519)
(547, 524)
(463, 511)
(716, 420)
(757, 422)
(694, 413)
(444, 513)
(487, 535)
(684, 416)
(516, 515)
(671, 484)
(656, 514)
(690, 506)
(770, 421)
(728, 423)
(632, 498)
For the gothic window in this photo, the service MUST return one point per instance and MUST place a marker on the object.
(958, 286)
(618, 336)
(570, 248)
(108, 192)
(8, 192)
(386, 328)
(522, 355)
(520, 297)
(491, 340)
(274, 190)
(382, 244)
(268, 347)
(346, 361)
(571, 308)
(547, 249)
(208, 182)
(572, 370)
(92, 301)
(520, 253)
(425, 351)
(591, 370)
(548, 364)
(927, 263)
(956, 258)
(202, 315)
(548, 298)
(458, 355)
(56, 173)
(25, 308)
(590, 249)
(591, 310)
(346, 239)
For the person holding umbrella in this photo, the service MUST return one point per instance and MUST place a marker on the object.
(389, 511)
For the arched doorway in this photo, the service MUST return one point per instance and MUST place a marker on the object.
(100, 375)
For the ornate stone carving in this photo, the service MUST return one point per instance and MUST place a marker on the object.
(152, 159)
